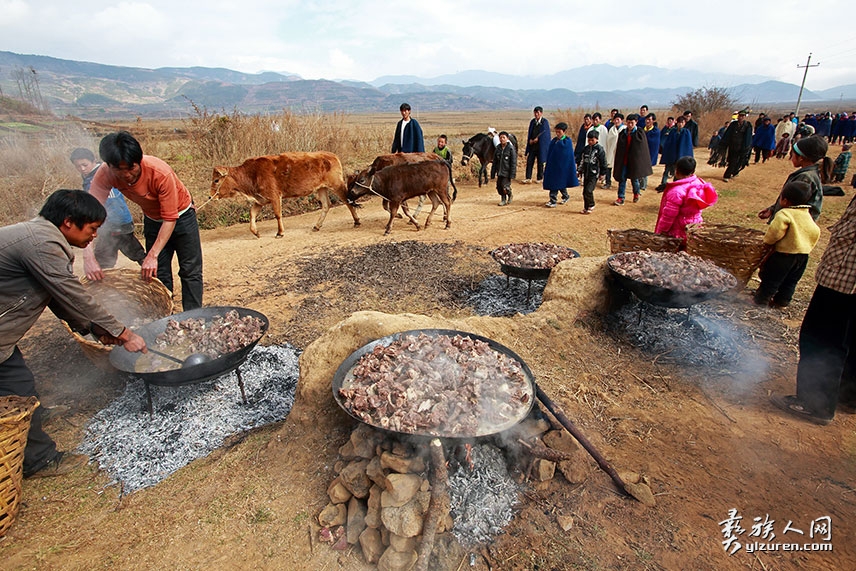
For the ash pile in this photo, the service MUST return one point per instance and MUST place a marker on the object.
(496, 298)
(189, 421)
(381, 498)
(702, 335)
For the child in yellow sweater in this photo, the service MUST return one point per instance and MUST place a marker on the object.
(793, 233)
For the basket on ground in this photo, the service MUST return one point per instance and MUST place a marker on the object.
(130, 299)
(15, 414)
(735, 248)
(635, 239)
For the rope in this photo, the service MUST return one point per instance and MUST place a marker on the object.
(369, 187)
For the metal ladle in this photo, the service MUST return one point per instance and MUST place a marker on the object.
(192, 360)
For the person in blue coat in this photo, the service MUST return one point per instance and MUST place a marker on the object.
(678, 144)
(652, 132)
(560, 173)
(408, 134)
(537, 145)
(764, 140)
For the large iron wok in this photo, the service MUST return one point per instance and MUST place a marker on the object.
(127, 361)
(524, 273)
(344, 374)
(665, 297)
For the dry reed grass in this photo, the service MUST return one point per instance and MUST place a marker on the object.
(34, 165)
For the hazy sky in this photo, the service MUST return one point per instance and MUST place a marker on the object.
(366, 39)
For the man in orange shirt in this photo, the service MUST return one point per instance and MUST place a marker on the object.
(169, 226)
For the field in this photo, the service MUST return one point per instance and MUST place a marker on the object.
(705, 436)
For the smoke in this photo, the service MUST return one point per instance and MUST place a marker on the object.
(703, 335)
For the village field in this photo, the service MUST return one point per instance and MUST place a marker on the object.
(703, 436)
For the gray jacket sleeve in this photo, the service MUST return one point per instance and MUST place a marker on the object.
(51, 267)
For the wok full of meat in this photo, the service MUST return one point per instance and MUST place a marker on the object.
(226, 334)
(532, 260)
(670, 279)
(435, 383)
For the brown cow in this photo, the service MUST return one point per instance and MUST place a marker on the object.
(268, 179)
(398, 183)
(383, 161)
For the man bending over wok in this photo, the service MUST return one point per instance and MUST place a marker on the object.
(36, 262)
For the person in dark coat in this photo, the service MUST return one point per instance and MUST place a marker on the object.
(537, 145)
(560, 173)
(591, 166)
(678, 144)
(632, 159)
(408, 134)
(652, 132)
(588, 123)
(692, 126)
(505, 165)
(737, 144)
(764, 140)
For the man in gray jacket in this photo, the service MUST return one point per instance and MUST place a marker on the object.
(36, 262)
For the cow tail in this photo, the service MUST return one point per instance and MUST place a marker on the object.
(452, 181)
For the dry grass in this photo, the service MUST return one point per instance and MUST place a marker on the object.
(32, 167)
(35, 164)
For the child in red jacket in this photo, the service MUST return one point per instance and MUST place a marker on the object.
(683, 200)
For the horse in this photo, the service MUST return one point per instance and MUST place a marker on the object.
(481, 146)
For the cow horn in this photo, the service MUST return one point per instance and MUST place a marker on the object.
(222, 171)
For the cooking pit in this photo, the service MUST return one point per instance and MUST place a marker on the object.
(138, 451)
(381, 495)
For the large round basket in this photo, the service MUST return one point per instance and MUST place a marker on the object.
(131, 300)
(737, 249)
(15, 414)
(635, 239)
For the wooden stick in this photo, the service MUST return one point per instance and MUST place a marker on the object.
(575, 432)
(439, 506)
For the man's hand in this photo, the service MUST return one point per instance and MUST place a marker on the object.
(149, 267)
(127, 339)
(91, 269)
(766, 213)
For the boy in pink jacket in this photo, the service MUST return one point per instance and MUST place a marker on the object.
(683, 200)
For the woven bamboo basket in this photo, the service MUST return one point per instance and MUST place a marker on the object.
(634, 239)
(15, 414)
(735, 248)
(130, 299)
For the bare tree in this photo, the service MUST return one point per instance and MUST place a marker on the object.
(705, 100)
(28, 87)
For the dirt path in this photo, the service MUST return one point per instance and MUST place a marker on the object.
(705, 437)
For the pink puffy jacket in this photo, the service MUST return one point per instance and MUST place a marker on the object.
(682, 203)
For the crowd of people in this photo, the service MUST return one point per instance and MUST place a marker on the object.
(37, 258)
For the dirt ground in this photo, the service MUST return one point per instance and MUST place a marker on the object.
(706, 438)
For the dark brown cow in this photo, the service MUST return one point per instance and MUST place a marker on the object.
(268, 179)
(395, 159)
(398, 183)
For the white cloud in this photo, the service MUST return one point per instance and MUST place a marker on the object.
(365, 39)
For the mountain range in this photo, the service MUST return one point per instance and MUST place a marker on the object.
(92, 90)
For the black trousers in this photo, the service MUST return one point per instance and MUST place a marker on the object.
(826, 372)
(589, 183)
(17, 379)
(503, 186)
(531, 159)
(186, 245)
(110, 242)
(780, 275)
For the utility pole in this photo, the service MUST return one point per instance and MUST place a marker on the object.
(802, 85)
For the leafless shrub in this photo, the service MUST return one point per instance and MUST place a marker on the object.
(704, 100)
(33, 165)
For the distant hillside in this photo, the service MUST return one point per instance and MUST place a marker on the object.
(92, 90)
